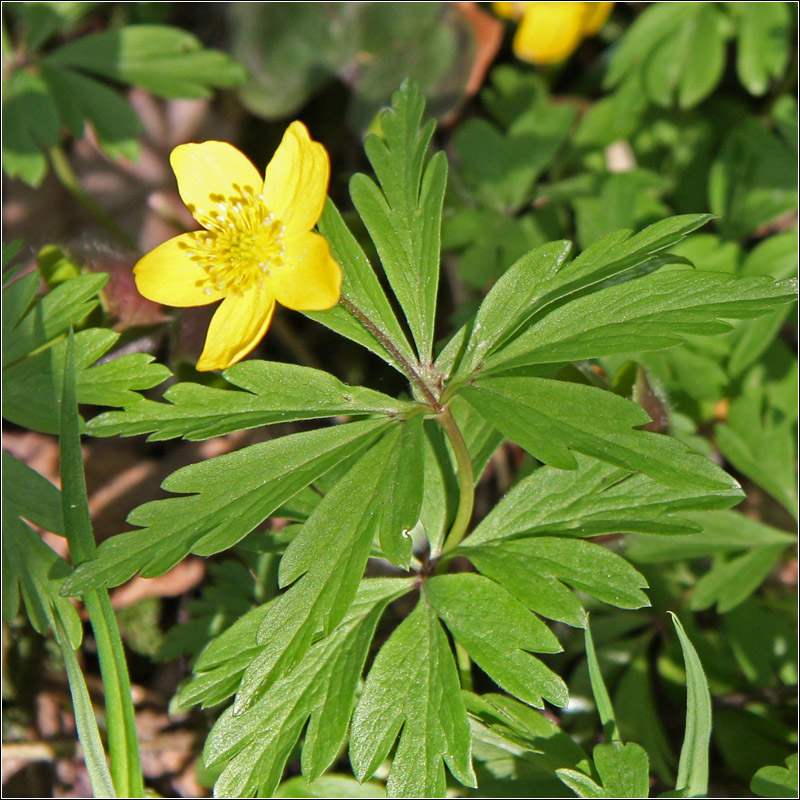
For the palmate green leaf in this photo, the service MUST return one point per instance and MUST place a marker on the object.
(594, 499)
(534, 570)
(36, 573)
(403, 216)
(777, 781)
(544, 279)
(229, 496)
(412, 690)
(652, 313)
(326, 560)
(80, 99)
(164, 60)
(274, 392)
(32, 387)
(692, 778)
(552, 418)
(29, 495)
(624, 771)
(763, 43)
(498, 631)
(254, 746)
(363, 291)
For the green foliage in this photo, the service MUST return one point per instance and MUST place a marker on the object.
(62, 89)
(617, 370)
(35, 347)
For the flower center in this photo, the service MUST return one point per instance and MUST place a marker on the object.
(241, 245)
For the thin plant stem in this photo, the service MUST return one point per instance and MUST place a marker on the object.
(69, 180)
(126, 770)
(405, 365)
(466, 481)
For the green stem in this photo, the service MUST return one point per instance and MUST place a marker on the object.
(123, 747)
(466, 482)
(405, 365)
(69, 180)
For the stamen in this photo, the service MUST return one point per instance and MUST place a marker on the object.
(241, 244)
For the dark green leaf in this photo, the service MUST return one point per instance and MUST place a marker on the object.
(586, 566)
(551, 418)
(254, 746)
(80, 99)
(27, 494)
(596, 498)
(326, 559)
(274, 393)
(361, 288)
(404, 216)
(652, 313)
(413, 686)
(229, 496)
(497, 631)
(30, 123)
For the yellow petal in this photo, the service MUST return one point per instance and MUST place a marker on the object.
(167, 275)
(211, 168)
(296, 181)
(237, 326)
(311, 280)
(508, 10)
(549, 32)
(594, 17)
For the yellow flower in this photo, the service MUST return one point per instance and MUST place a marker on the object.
(550, 32)
(257, 246)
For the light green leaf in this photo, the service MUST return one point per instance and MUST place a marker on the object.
(320, 691)
(166, 61)
(581, 784)
(602, 701)
(229, 496)
(551, 418)
(404, 216)
(652, 313)
(624, 769)
(596, 498)
(413, 686)
(722, 532)
(497, 631)
(329, 786)
(692, 778)
(369, 319)
(326, 559)
(776, 781)
(729, 583)
(585, 566)
(763, 41)
(274, 393)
